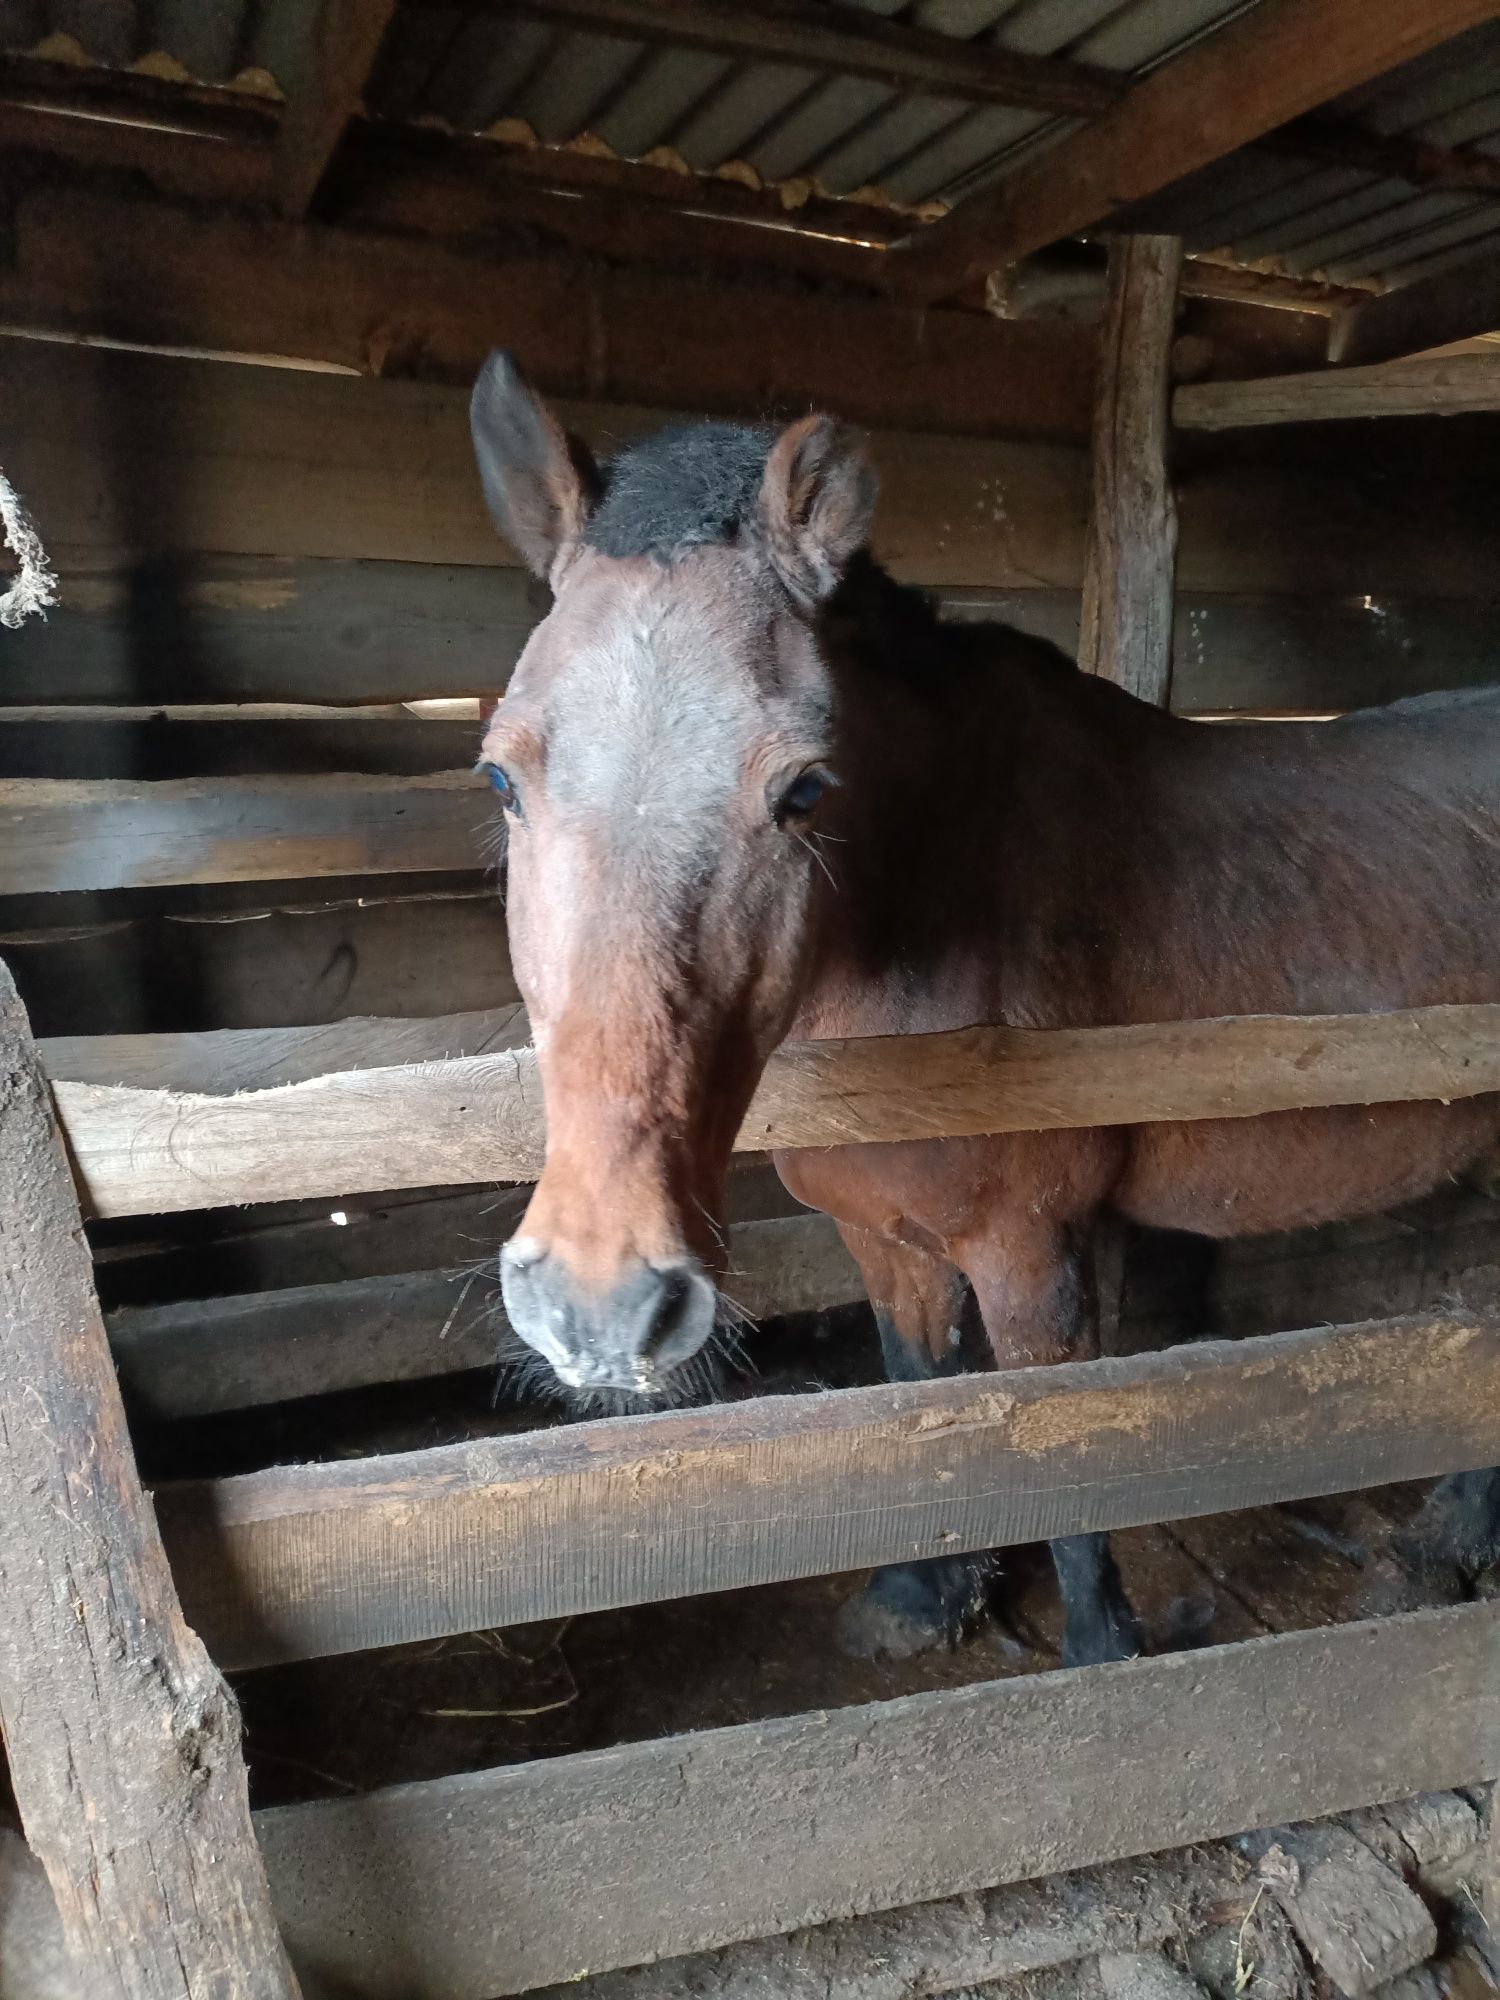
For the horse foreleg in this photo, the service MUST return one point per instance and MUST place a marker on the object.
(920, 1303)
(1034, 1284)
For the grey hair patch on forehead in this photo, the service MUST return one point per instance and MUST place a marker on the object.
(688, 486)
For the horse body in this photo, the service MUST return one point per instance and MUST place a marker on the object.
(758, 790)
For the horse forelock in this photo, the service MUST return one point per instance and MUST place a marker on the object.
(685, 486)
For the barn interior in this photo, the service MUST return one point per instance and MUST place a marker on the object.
(1228, 267)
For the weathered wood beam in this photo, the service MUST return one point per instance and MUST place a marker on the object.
(480, 1118)
(1125, 632)
(1273, 63)
(345, 40)
(843, 40)
(414, 1893)
(307, 1560)
(60, 833)
(172, 275)
(1456, 304)
(205, 1355)
(1464, 383)
(122, 1740)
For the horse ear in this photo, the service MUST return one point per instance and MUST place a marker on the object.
(539, 483)
(817, 500)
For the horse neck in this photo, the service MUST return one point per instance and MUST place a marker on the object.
(917, 904)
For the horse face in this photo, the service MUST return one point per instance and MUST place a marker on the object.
(666, 755)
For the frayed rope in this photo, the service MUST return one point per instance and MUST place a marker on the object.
(35, 586)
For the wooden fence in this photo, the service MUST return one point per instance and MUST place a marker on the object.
(469, 1885)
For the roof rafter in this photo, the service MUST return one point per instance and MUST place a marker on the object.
(346, 40)
(1265, 68)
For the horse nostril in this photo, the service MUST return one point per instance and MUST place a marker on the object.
(676, 1294)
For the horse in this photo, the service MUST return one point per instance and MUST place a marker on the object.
(755, 789)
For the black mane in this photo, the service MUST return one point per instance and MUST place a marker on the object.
(684, 486)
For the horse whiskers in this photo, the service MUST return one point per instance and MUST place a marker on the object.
(809, 840)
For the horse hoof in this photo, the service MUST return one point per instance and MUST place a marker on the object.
(1407, 1577)
(1113, 1638)
(867, 1628)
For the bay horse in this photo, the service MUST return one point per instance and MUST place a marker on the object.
(756, 790)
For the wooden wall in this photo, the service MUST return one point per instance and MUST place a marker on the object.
(284, 556)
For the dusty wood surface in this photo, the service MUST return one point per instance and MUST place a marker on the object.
(154, 272)
(464, 1887)
(263, 1347)
(480, 1118)
(345, 41)
(1455, 305)
(939, 1947)
(113, 833)
(304, 952)
(213, 461)
(300, 1561)
(1395, 389)
(1126, 628)
(265, 629)
(122, 1740)
(1282, 59)
(224, 1060)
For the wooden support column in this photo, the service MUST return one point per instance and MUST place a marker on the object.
(1125, 633)
(1126, 630)
(123, 1741)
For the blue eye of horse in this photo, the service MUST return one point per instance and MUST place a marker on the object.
(500, 780)
(801, 796)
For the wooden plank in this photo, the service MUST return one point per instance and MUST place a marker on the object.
(177, 275)
(140, 1152)
(229, 743)
(132, 457)
(1455, 304)
(843, 40)
(455, 1889)
(306, 1560)
(226, 1060)
(205, 1355)
(1126, 623)
(122, 1740)
(248, 629)
(345, 40)
(112, 833)
(1466, 382)
(267, 629)
(273, 963)
(1268, 65)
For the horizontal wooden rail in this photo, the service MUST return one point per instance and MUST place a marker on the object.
(205, 1355)
(1397, 389)
(307, 1560)
(480, 1118)
(116, 833)
(497, 1881)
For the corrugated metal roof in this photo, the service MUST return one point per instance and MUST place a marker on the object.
(468, 67)
(1345, 224)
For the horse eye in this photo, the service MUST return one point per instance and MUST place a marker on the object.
(509, 797)
(801, 797)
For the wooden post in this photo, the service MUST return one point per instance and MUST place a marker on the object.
(1130, 566)
(122, 1738)
(1126, 633)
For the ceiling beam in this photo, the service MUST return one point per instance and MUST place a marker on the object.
(844, 41)
(1270, 65)
(1396, 156)
(1468, 382)
(1456, 304)
(345, 42)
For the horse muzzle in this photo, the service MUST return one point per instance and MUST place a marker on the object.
(630, 1337)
